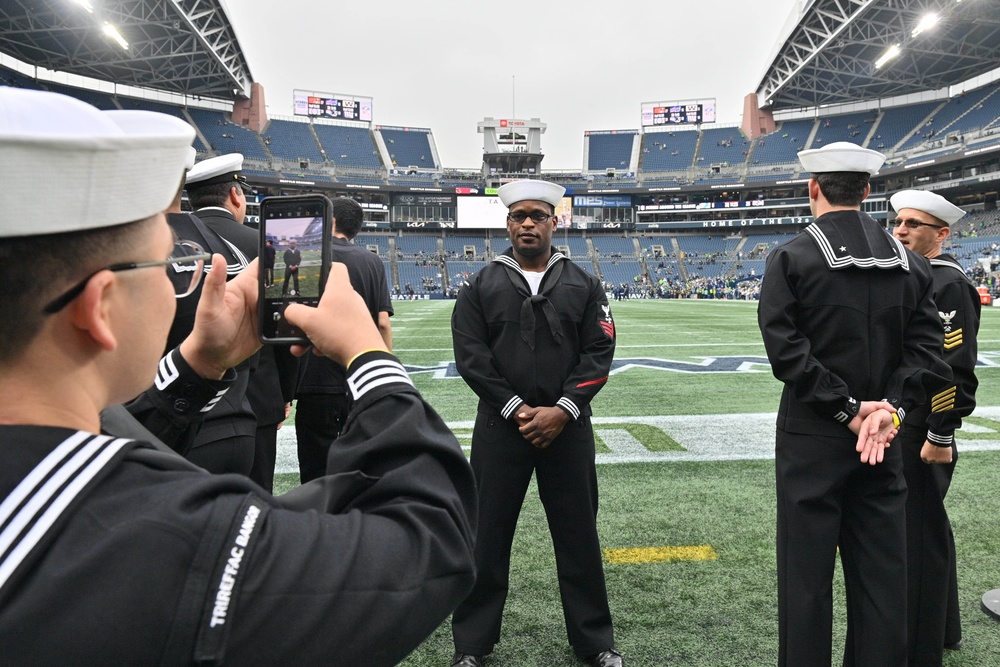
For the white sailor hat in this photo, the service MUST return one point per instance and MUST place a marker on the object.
(222, 169)
(928, 202)
(67, 166)
(516, 191)
(191, 157)
(841, 156)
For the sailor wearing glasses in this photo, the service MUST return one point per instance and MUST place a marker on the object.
(927, 437)
(114, 552)
(849, 325)
(534, 339)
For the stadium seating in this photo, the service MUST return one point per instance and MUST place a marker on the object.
(607, 245)
(95, 98)
(937, 127)
(456, 244)
(349, 146)
(409, 148)
(723, 146)
(610, 151)
(617, 272)
(226, 137)
(292, 141)
(897, 122)
(847, 127)
(9, 77)
(783, 145)
(667, 151)
(412, 244)
(380, 240)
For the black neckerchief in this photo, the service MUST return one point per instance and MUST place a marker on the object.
(852, 238)
(550, 278)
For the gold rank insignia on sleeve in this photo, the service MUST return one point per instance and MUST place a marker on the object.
(944, 401)
(953, 339)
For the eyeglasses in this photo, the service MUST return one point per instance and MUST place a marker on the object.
(186, 267)
(913, 224)
(521, 216)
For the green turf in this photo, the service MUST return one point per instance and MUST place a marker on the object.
(720, 612)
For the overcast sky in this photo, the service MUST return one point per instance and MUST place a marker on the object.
(576, 65)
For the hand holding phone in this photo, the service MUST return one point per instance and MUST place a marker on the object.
(295, 241)
(341, 327)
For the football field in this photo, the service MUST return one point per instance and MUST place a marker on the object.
(685, 432)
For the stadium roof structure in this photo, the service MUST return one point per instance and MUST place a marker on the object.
(829, 57)
(186, 47)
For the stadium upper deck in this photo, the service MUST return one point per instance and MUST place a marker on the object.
(676, 178)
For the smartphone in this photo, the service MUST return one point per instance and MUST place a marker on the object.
(295, 252)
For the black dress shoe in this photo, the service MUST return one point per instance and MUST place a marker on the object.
(609, 658)
(954, 646)
(465, 660)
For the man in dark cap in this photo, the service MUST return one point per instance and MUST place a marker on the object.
(849, 325)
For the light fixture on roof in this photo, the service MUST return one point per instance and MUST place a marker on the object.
(113, 33)
(926, 23)
(86, 5)
(889, 54)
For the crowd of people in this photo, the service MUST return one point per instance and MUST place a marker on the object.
(141, 410)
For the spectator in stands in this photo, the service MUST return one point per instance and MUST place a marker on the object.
(323, 399)
(166, 563)
(845, 279)
(535, 378)
(927, 436)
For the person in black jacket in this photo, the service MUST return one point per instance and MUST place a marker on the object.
(534, 339)
(134, 554)
(849, 324)
(322, 397)
(922, 224)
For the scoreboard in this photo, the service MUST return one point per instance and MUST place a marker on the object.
(678, 113)
(340, 107)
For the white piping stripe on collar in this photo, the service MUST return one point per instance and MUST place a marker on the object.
(836, 263)
(512, 263)
(45, 496)
(937, 261)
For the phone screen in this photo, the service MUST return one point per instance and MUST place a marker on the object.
(294, 236)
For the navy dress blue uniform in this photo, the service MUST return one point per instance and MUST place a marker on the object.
(847, 315)
(553, 348)
(215, 564)
(931, 567)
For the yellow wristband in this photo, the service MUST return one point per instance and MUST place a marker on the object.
(374, 349)
(895, 420)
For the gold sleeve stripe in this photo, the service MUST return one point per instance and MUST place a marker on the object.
(953, 339)
(944, 401)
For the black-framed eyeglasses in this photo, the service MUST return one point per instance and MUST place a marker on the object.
(186, 267)
(536, 216)
(912, 224)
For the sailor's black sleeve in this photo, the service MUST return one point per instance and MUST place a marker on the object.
(789, 350)
(384, 557)
(921, 371)
(474, 357)
(959, 309)
(597, 351)
(177, 403)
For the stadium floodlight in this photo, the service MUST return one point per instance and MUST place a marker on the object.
(889, 54)
(113, 33)
(86, 5)
(926, 23)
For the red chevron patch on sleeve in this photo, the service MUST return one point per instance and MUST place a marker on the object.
(609, 328)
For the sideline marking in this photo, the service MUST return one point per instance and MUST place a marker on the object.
(660, 554)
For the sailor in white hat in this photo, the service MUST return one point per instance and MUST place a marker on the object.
(850, 329)
(923, 223)
(534, 338)
(135, 555)
(217, 191)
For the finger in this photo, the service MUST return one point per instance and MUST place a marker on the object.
(213, 288)
(880, 453)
